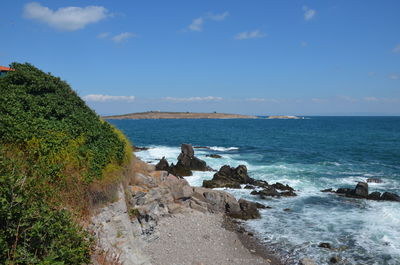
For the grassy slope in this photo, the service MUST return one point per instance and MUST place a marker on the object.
(55, 152)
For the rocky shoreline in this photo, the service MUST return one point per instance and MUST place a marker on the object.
(158, 218)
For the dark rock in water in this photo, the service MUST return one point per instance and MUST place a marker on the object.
(343, 190)
(163, 164)
(258, 183)
(187, 160)
(186, 150)
(374, 196)
(228, 177)
(201, 147)
(288, 193)
(260, 205)
(280, 186)
(267, 192)
(287, 209)
(327, 190)
(334, 259)
(374, 180)
(325, 245)
(138, 148)
(361, 190)
(388, 196)
(214, 156)
(249, 187)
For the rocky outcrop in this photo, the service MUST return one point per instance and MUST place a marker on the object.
(163, 164)
(229, 177)
(361, 192)
(186, 163)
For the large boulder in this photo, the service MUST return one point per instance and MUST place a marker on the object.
(228, 177)
(361, 190)
(388, 196)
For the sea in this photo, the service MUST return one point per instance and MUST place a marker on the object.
(308, 154)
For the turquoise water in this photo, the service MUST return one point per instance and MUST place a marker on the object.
(309, 155)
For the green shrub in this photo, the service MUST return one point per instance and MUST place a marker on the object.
(32, 231)
(52, 149)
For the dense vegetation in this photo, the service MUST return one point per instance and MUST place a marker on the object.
(52, 149)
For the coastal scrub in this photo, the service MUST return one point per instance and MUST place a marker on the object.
(53, 150)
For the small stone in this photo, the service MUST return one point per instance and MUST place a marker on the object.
(334, 259)
(325, 245)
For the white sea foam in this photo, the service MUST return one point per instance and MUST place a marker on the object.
(369, 229)
(223, 149)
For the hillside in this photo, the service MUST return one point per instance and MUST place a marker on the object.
(57, 160)
(179, 115)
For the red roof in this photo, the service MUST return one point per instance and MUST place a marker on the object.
(3, 68)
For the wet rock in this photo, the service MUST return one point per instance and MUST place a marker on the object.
(138, 148)
(288, 194)
(287, 209)
(249, 187)
(261, 206)
(374, 180)
(249, 210)
(280, 186)
(343, 190)
(334, 259)
(188, 162)
(163, 164)
(325, 245)
(328, 190)
(374, 196)
(228, 177)
(214, 156)
(388, 196)
(268, 192)
(361, 190)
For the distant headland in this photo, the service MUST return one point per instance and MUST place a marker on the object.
(179, 115)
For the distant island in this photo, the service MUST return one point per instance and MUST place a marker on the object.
(179, 115)
(285, 117)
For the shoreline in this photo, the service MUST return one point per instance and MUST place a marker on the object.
(167, 231)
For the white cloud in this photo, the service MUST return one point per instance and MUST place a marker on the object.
(191, 99)
(107, 98)
(255, 34)
(197, 24)
(394, 76)
(309, 13)
(66, 18)
(218, 17)
(122, 37)
(103, 35)
(396, 49)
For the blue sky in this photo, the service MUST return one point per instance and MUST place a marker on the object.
(250, 57)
